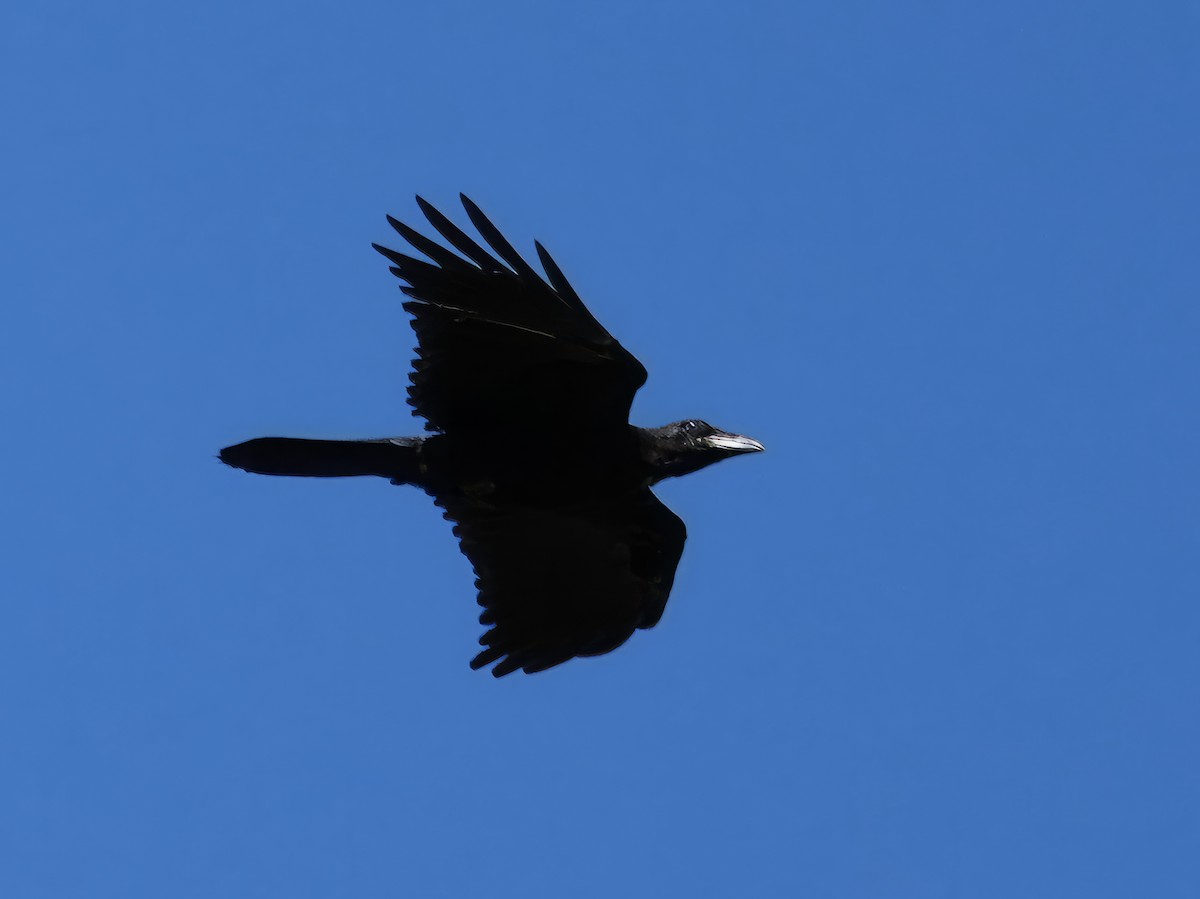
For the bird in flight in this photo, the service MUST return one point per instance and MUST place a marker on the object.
(531, 453)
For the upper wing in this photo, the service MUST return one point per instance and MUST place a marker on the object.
(498, 346)
(560, 583)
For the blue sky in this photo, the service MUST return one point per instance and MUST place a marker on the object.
(939, 641)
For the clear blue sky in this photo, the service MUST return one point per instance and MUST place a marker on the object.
(941, 640)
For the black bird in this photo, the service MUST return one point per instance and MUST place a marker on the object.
(533, 456)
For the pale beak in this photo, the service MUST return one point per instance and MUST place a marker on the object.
(734, 443)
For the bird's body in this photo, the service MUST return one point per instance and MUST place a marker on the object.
(532, 457)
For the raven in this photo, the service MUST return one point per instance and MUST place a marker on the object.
(532, 456)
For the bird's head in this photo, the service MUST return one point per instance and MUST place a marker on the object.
(686, 446)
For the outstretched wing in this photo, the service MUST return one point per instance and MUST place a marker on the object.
(498, 346)
(559, 583)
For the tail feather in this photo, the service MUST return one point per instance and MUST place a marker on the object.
(390, 457)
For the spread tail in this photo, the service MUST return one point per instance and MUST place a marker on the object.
(389, 457)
